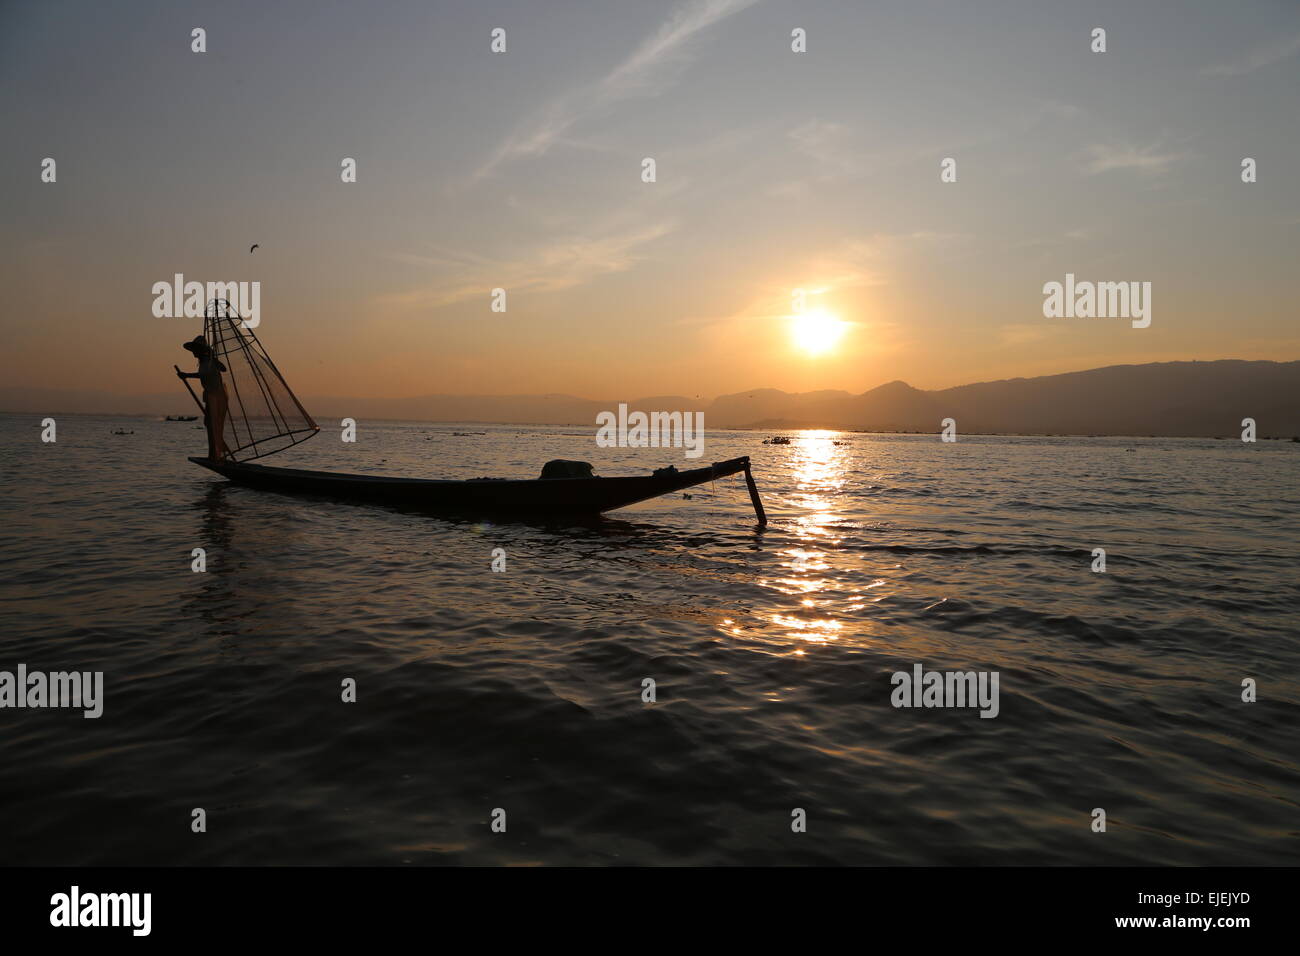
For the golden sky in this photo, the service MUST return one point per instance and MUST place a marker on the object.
(775, 171)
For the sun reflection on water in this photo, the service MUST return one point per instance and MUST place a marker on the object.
(820, 468)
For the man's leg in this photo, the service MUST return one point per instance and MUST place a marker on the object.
(219, 410)
(207, 423)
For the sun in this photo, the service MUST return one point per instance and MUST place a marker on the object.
(817, 332)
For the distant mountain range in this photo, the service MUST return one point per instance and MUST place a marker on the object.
(1166, 398)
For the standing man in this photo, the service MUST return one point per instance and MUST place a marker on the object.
(215, 401)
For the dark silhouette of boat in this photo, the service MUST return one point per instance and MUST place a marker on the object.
(265, 417)
(538, 497)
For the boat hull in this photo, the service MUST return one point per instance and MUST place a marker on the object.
(488, 496)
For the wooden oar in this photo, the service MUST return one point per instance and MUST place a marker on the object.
(190, 390)
(753, 496)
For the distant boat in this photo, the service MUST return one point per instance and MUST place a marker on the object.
(265, 417)
(181, 418)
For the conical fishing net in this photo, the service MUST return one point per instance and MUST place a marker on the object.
(264, 415)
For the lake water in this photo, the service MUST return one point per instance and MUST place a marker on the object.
(771, 651)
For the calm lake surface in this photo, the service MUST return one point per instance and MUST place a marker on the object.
(771, 651)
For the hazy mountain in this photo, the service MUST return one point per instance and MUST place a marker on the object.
(1168, 398)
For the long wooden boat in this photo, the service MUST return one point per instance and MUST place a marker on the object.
(542, 497)
(264, 417)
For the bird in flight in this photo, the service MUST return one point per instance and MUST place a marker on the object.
(252, 247)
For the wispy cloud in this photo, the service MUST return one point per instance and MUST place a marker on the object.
(1264, 55)
(851, 264)
(1017, 335)
(1147, 159)
(641, 74)
(827, 144)
(559, 264)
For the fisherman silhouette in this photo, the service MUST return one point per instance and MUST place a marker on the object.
(215, 401)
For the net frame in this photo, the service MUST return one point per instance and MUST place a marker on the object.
(236, 345)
